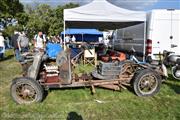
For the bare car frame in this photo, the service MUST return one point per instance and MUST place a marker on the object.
(44, 74)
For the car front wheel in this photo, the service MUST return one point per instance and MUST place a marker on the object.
(26, 90)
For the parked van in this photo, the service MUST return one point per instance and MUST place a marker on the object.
(129, 39)
(163, 32)
(160, 32)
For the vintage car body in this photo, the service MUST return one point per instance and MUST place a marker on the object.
(45, 73)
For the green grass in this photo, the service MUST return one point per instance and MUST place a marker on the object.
(83, 69)
(79, 103)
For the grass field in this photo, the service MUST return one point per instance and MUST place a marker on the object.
(79, 104)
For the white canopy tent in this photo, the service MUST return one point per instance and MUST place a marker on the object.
(101, 14)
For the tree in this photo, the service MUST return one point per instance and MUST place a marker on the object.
(57, 20)
(8, 11)
(39, 19)
(22, 18)
(9, 8)
(46, 19)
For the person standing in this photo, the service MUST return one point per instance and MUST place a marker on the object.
(14, 38)
(23, 42)
(67, 39)
(73, 38)
(8, 46)
(39, 41)
(2, 45)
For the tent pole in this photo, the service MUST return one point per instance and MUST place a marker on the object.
(64, 35)
(114, 38)
(144, 52)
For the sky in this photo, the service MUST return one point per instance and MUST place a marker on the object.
(128, 4)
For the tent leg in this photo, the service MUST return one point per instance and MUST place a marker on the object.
(64, 35)
(144, 52)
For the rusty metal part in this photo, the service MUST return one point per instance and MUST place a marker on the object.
(128, 68)
(65, 72)
(110, 86)
(93, 91)
(82, 83)
(125, 84)
(26, 92)
(85, 77)
(120, 85)
(52, 79)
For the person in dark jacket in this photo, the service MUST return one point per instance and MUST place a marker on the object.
(14, 38)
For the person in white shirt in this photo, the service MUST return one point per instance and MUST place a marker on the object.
(106, 42)
(2, 45)
(67, 39)
(39, 41)
(73, 38)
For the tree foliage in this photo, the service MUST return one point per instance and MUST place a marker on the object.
(40, 18)
(47, 19)
(9, 8)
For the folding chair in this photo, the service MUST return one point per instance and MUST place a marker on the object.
(90, 57)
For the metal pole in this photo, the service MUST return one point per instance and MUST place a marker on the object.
(114, 38)
(144, 52)
(64, 35)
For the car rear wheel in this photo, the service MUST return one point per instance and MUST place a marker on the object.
(146, 83)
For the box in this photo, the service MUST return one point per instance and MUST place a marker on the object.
(109, 68)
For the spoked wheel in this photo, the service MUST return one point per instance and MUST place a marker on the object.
(26, 91)
(146, 83)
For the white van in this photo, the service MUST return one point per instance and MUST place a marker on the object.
(163, 32)
(131, 38)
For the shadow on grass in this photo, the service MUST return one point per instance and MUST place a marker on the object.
(68, 88)
(45, 95)
(7, 58)
(172, 84)
(74, 116)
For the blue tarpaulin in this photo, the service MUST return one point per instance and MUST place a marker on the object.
(87, 35)
(52, 50)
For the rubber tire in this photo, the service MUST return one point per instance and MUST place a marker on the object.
(24, 80)
(173, 70)
(137, 78)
